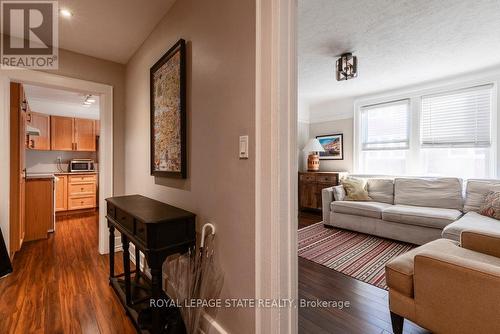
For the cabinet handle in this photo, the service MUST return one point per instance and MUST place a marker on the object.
(76, 146)
(32, 141)
(28, 118)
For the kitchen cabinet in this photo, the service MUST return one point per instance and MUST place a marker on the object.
(84, 134)
(61, 133)
(76, 191)
(61, 193)
(72, 134)
(39, 208)
(42, 123)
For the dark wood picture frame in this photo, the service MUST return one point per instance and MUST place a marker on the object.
(180, 47)
(322, 155)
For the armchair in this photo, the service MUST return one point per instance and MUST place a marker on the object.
(446, 287)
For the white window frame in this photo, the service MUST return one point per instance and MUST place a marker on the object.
(414, 96)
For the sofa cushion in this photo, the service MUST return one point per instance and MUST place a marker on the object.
(491, 205)
(421, 215)
(355, 189)
(476, 192)
(365, 209)
(443, 193)
(381, 190)
(471, 221)
(399, 271)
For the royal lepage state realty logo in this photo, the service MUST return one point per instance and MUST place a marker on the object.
(29, 34)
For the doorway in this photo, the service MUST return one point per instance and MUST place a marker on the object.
(105, 141)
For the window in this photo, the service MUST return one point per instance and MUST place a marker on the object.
(451, 135)
(385, 137)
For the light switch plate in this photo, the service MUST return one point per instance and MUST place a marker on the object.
(243, 147)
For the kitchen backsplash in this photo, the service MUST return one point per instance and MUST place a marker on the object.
(46, 161)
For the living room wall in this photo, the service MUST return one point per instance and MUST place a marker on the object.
(220, 188)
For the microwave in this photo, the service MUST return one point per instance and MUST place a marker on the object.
(81, 165)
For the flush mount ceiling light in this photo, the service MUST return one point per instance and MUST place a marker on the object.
(346, 67)
(88, 100)
(66, 13)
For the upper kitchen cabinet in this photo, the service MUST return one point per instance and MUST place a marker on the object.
(61, 133)
(41, 122)
(72, 134)
(84, 133)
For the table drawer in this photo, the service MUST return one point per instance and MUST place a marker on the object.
(75, 203)
(308, 177)
(327, 178)
(76, 189)
(125, 220)
(84, 178)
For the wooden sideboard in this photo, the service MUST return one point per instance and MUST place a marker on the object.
(310, 186)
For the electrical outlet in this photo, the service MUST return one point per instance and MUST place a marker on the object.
(59, 159)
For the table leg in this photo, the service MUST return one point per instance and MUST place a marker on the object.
(137, 264)
(126, 267)
(111, 252)
(156, 288)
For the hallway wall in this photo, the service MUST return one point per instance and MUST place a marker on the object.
(220, 188)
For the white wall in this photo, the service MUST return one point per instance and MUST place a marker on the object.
(302, 138)
(220, 188)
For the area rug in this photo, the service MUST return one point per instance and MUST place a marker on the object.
(358, 255)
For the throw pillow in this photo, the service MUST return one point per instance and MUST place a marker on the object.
(355, 190)
(491, 205)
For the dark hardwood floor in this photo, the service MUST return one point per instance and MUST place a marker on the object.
(368, 311)
(60, 285)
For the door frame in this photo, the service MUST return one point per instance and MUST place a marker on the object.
(105, 93)
(276, 260)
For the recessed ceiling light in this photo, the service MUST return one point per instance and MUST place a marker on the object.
(87, 102)
(66, 13)
(91, 100)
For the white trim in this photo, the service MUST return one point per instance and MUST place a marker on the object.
(276, 164)
(105, 140)
(414, 94)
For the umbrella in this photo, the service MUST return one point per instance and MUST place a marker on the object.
(193, 277)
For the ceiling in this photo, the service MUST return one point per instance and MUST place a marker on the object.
(109, 29)
(398, 42)
(58, 102)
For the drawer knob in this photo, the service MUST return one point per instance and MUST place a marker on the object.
(81, 189)
(81, 202)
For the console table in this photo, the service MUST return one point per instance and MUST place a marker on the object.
(157, 230)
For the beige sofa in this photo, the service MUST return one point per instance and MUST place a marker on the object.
(415, 210)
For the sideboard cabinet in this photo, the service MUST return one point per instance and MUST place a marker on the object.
(310, 186)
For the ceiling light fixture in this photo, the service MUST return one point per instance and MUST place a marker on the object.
(346, 67)
(66, 13)
(91, 100)
(87, 102)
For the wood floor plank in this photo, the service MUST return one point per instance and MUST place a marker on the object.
(60, 285)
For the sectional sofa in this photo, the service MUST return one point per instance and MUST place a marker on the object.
(415, 210)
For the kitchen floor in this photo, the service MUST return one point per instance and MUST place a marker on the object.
(60, 285)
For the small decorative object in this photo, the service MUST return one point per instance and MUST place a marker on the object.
(168, 113)
(346, 67)
(333, 146)
(313, 147)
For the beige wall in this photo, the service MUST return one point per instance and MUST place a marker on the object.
(221, 107)
(88, 68)
(302, 138)
(344, 126)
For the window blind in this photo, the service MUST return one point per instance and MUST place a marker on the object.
(457, 119)
(385, 126)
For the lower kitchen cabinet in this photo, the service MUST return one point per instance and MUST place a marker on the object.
(76, 192)
(39, 208)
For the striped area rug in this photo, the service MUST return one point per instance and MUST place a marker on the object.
(358, 255)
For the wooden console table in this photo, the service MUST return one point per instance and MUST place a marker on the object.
(157, 230)
(310, 186)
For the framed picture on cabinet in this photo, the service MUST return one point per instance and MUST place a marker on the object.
(168, 113)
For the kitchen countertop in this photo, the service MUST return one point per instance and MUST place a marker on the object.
(40, 176)
(73, 173)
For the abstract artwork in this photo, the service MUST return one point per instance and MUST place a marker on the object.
(333, 145)
(168, 113)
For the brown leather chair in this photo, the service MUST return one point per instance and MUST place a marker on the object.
(448, 287)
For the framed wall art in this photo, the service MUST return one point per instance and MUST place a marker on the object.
(168, 113)
(333, 145)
